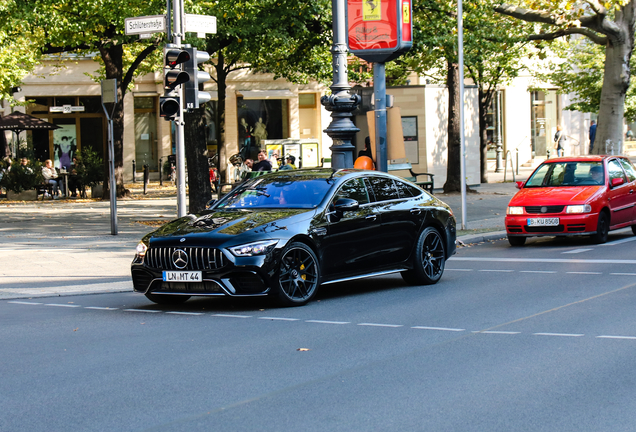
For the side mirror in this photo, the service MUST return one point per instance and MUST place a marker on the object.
(346, 204)
(520, 184)
(617, 181)
(210, 203)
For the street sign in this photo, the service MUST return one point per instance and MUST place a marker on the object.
(145, 24)
(109, 90)
(200, 24)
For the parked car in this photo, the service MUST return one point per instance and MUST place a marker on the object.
(284, 234)
(584, 195)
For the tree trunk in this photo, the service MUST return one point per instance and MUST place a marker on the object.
(196, 152)
(483, 133)
(618, 52)
(453, 169)
(113, 63)
(4, 146)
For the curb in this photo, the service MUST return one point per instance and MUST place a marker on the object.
(479, 238)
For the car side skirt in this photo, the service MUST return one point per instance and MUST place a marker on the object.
(363, 276)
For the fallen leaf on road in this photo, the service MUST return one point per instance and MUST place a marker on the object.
(76, 329)
(302, 349)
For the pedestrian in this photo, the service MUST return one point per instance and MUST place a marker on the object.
(263, 164)
(592, 134)
(289, 165)
(559, 139)
(50, 177)
(367, 148)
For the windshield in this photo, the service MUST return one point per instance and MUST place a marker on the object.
(299, 193)
(567, 174)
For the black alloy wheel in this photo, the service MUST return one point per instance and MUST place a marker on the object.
(516, 240)
(167, 299)
(298, 275)
(429, 259)
(602, 228)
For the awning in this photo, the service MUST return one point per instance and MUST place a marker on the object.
(266, 94)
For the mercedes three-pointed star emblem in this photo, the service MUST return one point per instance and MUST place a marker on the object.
(180, 258)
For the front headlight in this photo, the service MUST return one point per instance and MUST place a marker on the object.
(256, 248)
(514, 210)
(583, 208)
(141, 249)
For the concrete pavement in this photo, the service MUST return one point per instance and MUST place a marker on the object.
(64, 247)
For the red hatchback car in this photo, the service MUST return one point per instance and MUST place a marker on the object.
(584, 195)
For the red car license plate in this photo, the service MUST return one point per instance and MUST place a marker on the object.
(543, 222)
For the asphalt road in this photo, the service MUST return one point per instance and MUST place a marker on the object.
(539, 338)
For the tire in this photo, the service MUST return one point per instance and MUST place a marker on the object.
(298, 275)
(516, 240)
(166, 299)
(429, 259)
(602, 228)
(634, 229)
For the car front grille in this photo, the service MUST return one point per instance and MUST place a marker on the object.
(544, 229)
(548, 209)
(198, 258)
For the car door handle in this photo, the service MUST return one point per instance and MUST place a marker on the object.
(416, 211)
(371, 217)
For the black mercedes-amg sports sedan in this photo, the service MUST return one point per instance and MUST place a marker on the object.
(286, 233)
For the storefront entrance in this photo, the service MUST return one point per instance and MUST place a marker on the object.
(544, 121)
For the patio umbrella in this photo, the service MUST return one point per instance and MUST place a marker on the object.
(18, 122)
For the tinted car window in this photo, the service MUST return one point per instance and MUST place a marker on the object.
(615, 171)
(277, 193)
(353, 189)
(629, 169)
(407, 190)
(383, 188)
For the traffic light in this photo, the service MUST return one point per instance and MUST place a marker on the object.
(173, 75)
(193, 97)
(169, 107)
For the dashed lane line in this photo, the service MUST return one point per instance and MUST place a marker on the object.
(438, 328)
(328, 322)
(231, 316)
(185, 313)
(380, 325)
(616, 337)
(586, 273)
(495, 270)
(576, 251)
(559, 334)
(24, 303)
(142, 310)
(278, 319)
(537, 271)
(497, 332)
(62, 305)
(101, 308)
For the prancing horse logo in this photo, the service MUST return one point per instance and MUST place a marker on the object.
(180, 258)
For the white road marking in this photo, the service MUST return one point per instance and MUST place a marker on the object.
(575, 251)
(585, 273)
(543, 260)
(558, 334)
(100, 308)
(61, 305)
(458, 269)
(327, 322)
(616, 337)
(231, 316)
(623, 274)
(380, 325)
(497, 332)
(142, 310)
(279, 319)
(537, 271)
(185, 313)
(438, 328)
(23, 302)
(500, 271)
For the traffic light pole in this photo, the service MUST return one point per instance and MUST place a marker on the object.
(178, 31)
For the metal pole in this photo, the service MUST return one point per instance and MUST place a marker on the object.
(179, 123)
(379, 96)
(341, 129)
(161, 171)
(113, 182)
(134, 172)
(460, 36)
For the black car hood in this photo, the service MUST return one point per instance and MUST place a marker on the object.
(232, 223)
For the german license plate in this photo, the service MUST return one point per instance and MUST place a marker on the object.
(182, 276)
(543, 222)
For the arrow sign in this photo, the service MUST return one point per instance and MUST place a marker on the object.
(145, 24)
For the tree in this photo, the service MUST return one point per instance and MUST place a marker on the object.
(90, 26)
(609, 24)
(286, 38)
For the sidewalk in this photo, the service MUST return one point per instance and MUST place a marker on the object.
(65, 247)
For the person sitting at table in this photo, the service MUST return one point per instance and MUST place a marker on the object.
(51, 177)
(73, 179)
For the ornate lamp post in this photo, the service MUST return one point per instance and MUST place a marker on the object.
(341, 129)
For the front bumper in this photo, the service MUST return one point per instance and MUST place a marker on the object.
(569, 225)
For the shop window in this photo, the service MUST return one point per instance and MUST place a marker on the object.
(261, 119)
(307, 100)
(91, 104)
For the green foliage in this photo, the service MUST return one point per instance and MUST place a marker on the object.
(18, 178)
(89, 167)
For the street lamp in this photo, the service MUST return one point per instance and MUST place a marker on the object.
(341, 129)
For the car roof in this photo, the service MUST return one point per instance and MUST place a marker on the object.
(584, 158)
